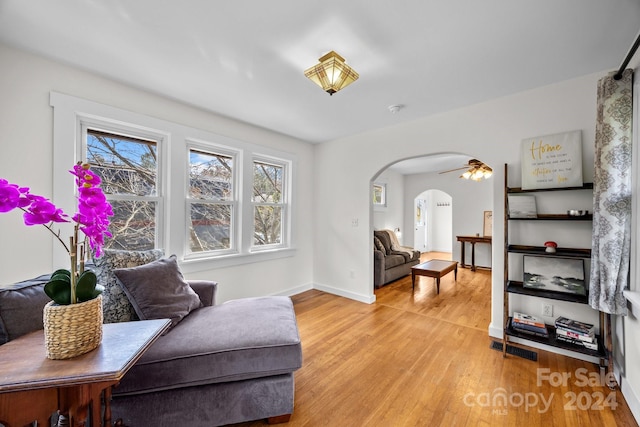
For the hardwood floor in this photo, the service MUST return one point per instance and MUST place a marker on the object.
(421, 359)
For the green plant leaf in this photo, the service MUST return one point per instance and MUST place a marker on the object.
(61, 275)
(61, 271)
(59, 291)
(97, 291)
(86, 286)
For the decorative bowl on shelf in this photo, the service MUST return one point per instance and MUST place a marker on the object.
(577, 212)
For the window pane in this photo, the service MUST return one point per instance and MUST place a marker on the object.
(268, 225)
(125, 165)
(267, 183)
(210, 176)
(210, 227)
(133, 225)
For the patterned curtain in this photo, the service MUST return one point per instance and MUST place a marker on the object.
(612, 195)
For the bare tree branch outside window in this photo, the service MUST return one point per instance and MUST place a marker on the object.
(211, 201)
(268, 207)
(128, 169)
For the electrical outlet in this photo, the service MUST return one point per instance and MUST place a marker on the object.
(547, 310)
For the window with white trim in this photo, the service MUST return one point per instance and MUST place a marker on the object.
(269, 203)
(211, 201)
(128, 168)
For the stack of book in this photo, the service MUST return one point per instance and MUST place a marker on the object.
(576, 333)
(528, 324)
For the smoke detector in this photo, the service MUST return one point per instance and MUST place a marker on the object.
(395, 108)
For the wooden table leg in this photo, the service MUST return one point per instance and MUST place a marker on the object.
(473, 256)
(107, 407)
(438, 285)
(455, 273)
(413, 279)
(462, 254)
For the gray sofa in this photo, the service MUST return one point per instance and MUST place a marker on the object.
(220, 364)
(390, 264)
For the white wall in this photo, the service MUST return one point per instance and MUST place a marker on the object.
(491, 131)
(26, 130)
(390, 216)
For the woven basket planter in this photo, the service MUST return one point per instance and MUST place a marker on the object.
(72, 330)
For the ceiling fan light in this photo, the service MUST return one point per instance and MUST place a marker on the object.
(466, 175)
(477, 175)
(331, 74)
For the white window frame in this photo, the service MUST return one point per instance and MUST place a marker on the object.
(71, 113)
(284, 204)
(236, 214)
(125, 131)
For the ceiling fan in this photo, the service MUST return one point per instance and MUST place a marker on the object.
(476, 170)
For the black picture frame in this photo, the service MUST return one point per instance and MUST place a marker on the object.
(554, 274)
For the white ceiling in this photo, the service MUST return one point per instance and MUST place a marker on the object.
(245, 59)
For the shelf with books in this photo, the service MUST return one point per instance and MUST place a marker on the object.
(540, 276)
(552, 340)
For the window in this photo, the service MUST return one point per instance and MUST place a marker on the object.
(211, 201)
(128, 167)
(268, 203)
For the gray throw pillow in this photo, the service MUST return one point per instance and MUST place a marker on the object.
(158, 290)
(115, 304)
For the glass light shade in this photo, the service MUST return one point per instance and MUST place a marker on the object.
(331, 74)
(466, 175)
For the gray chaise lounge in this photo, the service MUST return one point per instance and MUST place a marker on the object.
(221, 364)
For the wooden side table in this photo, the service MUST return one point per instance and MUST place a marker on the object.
(473, 240)
(33, 387)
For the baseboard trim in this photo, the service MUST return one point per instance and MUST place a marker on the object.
(295, 291)
(342, 293)
(631, 397)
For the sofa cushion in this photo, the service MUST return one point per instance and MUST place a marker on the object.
(238, 340)
(377, 244)
(383, 236)
(21, 307)
(393, 260)
(115, 304)
(157, 290)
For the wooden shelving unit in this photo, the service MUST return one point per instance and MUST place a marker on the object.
(517, 287)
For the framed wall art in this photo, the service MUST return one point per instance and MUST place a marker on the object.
(487, 224)
(555, 274)
(379, 195)
(552, 161)
(522, 206)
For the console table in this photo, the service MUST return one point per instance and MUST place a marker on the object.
(33, 387)
(473, 240)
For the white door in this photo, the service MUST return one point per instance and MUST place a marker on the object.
(420, 225)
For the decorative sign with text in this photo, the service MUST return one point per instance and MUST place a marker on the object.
(552, 161)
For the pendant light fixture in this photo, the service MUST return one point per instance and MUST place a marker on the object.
(331, 74)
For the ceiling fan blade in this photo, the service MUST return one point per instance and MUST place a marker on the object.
(453, 170)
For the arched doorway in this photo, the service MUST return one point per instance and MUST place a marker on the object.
(433, 228)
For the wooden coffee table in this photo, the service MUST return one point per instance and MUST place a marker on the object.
(435, 268)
